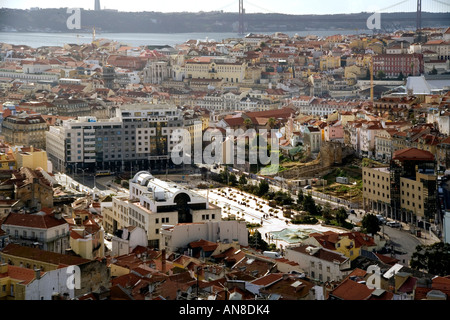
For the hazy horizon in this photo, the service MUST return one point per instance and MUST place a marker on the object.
(296, 7)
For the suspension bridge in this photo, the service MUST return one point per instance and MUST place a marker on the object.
(412, 6)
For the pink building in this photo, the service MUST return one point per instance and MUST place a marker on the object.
(334, 132)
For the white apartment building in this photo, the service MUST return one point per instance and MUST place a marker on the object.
(154, 203)
(49, 232)
(319, 263)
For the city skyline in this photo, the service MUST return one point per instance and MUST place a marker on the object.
(262, 6)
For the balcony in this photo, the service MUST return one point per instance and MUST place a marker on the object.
(55, 238)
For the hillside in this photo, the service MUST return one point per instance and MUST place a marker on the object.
(54, 20)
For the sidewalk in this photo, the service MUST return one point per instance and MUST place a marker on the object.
(426, 238)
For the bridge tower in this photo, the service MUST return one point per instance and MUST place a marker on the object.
(419, 15)
(241, 16)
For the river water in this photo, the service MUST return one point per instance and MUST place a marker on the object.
(39, 39)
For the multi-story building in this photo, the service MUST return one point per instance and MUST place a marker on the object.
(25, 129)
(49, 232)
(153, 203)
(156, 72)
(383, 144)
(72, 107)
(94, 274)
(233, 72)
(138, 137)
(406, 190)
(441, 47)
(320, 264)
(395, 64)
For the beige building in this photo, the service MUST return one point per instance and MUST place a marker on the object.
(406, 190)
(25, 129)
(233, 72)
(32, 158)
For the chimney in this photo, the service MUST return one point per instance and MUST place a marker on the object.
(37, 273)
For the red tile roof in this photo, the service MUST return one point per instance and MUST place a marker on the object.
(268, 280)
(40, 221)
(323, 254)
(351, 290)
(413, 154)
(56, 259)
(24, 275)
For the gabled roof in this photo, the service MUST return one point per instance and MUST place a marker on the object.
(413, 154)
(268, 280)
(42, 255)
(40, 221)
(23, 275)
(352, 290)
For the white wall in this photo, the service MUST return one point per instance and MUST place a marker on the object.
(50, 282)
(181, 235)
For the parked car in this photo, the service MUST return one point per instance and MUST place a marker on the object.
(381, 219)
(393, 224)
(308, 187)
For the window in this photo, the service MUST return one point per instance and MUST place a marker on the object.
(157, 231)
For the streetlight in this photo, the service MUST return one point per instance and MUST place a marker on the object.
(83, 170)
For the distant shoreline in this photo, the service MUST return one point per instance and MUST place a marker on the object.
(55, 21)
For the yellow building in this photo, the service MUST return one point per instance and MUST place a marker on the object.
(349, 244)
(13, 280)
(86, 235)
(330, 62)
(32, 158)
(227, 71)
(376, 187)
(7, 161)
(353, 73)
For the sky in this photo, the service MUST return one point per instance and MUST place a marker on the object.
(254, 6)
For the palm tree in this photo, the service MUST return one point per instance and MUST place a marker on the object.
(248, 123)
(271, 122)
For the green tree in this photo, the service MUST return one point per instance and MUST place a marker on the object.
(248, 123)
(327, 212)
(309, 205)
(300, 197)
(263, 188)
(271, 122)
(371, 224)
(233, 180)
(255, 241)
(341, 216)
(242, 180)
(381, 74)
(434, 259)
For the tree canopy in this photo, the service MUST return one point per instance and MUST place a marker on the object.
(434, 259)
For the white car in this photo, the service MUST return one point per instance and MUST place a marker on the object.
(393, 224)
